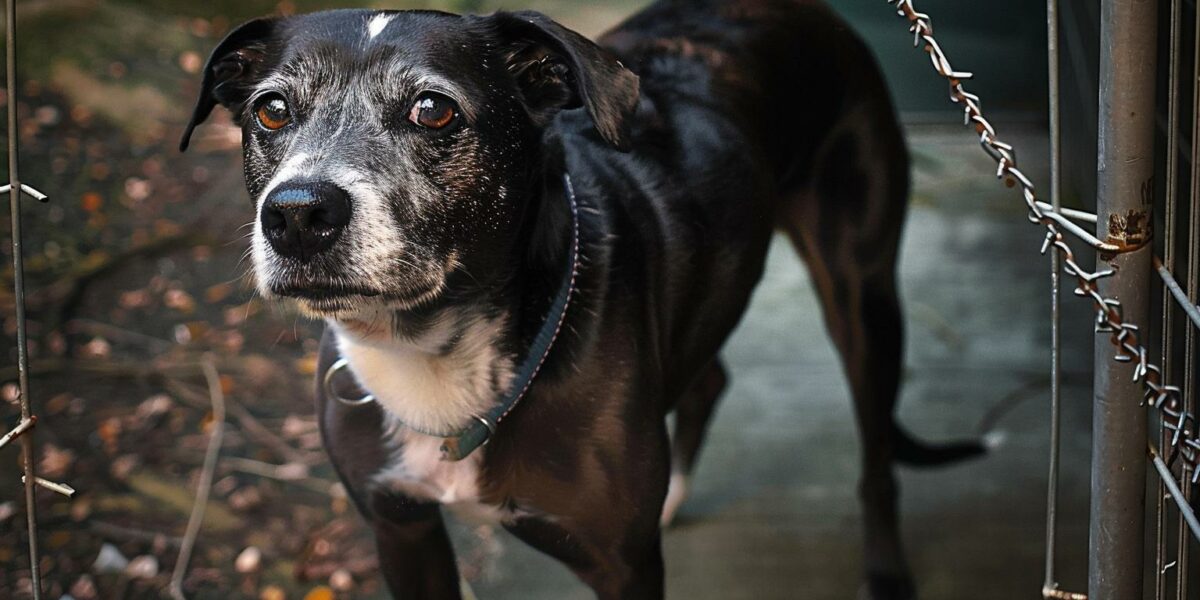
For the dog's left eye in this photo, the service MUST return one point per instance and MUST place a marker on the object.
(273, 112)
(433, 111)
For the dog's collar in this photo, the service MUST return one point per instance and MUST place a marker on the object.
(461, 444)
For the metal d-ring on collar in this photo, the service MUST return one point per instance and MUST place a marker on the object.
(459, 445)
(339, 365)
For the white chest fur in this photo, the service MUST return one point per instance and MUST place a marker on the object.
(417, 471)
(430, 384)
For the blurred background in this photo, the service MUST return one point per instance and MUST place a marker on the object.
(135, 273)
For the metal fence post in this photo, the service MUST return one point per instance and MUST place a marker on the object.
(1125, 186)
(27, 447)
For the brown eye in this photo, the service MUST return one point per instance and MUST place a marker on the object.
(273, 112)
(433, 111)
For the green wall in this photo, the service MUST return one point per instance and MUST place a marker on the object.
(1003, 43)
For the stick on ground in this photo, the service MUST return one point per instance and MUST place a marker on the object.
(206, 476)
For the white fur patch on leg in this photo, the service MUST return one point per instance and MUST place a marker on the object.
(677, 492)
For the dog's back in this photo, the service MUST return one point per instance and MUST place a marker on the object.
(761, 115)
(754, 115)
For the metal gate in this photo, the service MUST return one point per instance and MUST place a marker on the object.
(1143, 287)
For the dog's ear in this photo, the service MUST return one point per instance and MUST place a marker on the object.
(556, 68)
(231, 70)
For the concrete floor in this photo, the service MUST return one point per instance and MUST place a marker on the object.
(773, 512)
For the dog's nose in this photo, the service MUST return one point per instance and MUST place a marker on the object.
(302, 220)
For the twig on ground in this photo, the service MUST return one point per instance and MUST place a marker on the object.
(206, 476)
(114, 531)
(285, 451)
(252, 427)
(119, 334)
(153, 370)
(295, 473)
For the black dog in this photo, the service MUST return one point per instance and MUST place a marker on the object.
(493, 210)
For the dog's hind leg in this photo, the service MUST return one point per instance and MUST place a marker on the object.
(845, 218)
(692, 413)
(863, 319)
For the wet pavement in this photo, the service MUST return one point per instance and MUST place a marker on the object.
(773, 510)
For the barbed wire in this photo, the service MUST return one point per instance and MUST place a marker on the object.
(1125, 336)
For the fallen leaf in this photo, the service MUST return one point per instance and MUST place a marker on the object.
(109, 560)
(55, 461)
(84, 589)
(135, 299)
(217, 293)
(227, 384)
(307, 365)
(248, 560)
(153, 406)
(341, 580)
(91, 202)
(179, 300)
(191, 331)
(142, 567)
(320, 592)
(245, 499)
(97, 348)
(190, 62)
(109, 431)
(272, 592)
(138, 189)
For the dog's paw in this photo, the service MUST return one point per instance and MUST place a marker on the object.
(677, 492)
(887, 587)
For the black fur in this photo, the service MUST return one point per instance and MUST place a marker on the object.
(691, 132)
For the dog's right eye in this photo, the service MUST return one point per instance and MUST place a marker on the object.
(273, 112)
(433, 111)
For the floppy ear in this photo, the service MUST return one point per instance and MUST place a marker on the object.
(556, 68)
(230, 71)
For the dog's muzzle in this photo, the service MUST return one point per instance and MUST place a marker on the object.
(459, 445)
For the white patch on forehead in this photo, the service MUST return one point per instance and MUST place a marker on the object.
(377, 24)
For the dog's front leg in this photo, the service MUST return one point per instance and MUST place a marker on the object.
(415, 554)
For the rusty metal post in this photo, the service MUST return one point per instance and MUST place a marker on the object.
(1125, 186)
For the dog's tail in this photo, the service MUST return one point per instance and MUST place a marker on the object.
(917, 453)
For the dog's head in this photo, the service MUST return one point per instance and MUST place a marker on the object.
(387, 151)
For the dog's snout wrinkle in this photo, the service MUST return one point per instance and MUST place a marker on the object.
(303, 220)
